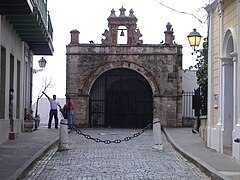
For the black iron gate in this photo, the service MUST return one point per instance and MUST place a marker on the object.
(121, 98)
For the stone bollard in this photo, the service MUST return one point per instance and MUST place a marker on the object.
(157, 138)
(63, 135)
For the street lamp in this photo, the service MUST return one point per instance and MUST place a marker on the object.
(194, 39)
(42, 63)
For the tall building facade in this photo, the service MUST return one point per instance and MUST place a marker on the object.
(25, 31)
(223, 131)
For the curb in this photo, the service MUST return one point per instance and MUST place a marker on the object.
(25, 167)
(205, 168)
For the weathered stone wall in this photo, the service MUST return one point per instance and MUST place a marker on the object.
(160, 64)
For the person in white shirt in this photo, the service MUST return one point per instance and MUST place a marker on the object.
(54, 104)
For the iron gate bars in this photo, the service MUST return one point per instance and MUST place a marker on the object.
(121, 98)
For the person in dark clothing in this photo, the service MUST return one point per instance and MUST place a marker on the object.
(53, 110)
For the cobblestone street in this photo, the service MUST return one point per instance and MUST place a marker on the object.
(135, 159)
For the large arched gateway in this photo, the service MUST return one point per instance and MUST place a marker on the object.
(121, 98)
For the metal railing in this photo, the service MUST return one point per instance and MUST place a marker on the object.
(42, 8)
(194, 102)
(187, 104)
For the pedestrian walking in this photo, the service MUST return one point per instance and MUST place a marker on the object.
(70, 112)
(54, 104)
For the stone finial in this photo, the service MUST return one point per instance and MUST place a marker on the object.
(169, 37)
(131, 14)
(169, 26)
(112, 13)
(137, 37)
(74, 36)
(122, 12)
(107, 37)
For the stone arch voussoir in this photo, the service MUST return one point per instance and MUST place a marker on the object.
(123, 64)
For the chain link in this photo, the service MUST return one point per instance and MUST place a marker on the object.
(117, 140)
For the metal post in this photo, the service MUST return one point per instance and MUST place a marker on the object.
(63, 135)
(157, 139)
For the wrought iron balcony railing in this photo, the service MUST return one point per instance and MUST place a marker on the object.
(32, 22)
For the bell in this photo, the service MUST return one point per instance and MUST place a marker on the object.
(122, 33)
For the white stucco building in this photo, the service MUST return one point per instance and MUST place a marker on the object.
(25, 31)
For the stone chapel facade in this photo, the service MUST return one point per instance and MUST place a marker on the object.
(125, 85)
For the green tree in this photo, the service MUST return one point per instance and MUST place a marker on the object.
(202, 64)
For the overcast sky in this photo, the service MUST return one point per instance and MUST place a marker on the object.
(90, 18)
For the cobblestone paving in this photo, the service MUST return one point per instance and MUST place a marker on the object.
(132, 160)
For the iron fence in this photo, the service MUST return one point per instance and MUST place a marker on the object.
(187, 106)
(195, 102)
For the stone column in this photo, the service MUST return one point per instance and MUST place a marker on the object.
(219, 128)
(169, 37)
(235, 116)
(210, 88)
(157, 138)
(220, 27)
(74, 36)
(63, 136)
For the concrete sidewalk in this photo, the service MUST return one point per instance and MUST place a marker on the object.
(215, 165)
(17, 155)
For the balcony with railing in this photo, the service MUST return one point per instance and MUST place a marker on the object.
(32, 22)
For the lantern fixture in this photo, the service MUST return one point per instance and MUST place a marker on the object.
(194, 39)
(42, 63)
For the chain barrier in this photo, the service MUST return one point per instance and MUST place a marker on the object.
(117, 140)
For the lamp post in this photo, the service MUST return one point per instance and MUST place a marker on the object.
(42, 63)
(194, 39)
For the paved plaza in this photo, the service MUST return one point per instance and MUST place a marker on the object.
(135, 159)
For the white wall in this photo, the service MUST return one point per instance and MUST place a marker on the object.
(189, 83)
(44, 107)
(189, 80)
(15, 46)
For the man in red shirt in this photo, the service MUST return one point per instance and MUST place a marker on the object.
(70, 112)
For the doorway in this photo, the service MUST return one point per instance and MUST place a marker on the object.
(228, 91)
(121, 98)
